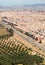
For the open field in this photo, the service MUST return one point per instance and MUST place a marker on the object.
(3, 32)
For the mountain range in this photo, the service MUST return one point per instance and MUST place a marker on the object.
(36, 6)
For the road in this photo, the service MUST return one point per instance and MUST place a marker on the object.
(29, 42)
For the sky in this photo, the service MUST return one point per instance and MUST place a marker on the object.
(21, 2)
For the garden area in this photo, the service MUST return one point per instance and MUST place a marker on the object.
(13, 52)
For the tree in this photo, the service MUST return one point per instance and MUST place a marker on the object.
(11, 31)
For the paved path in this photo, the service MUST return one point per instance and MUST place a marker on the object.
(29, 42)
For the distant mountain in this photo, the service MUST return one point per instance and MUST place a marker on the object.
(35, 5)
(32, 7)
(39, 5)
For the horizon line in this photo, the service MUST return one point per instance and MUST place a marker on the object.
(25, 4)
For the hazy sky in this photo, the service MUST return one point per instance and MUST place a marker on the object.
(21, 2)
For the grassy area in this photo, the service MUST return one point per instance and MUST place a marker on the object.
(5, 63)
(4, 32)
(1, 26)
